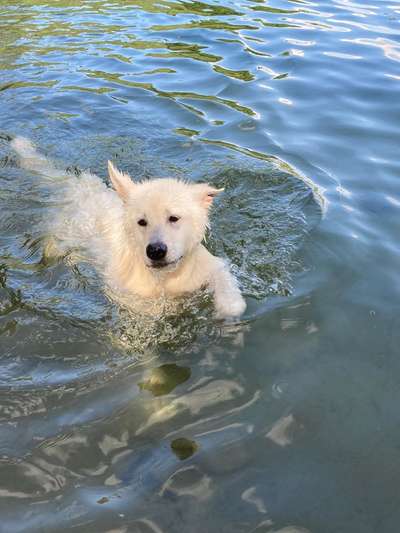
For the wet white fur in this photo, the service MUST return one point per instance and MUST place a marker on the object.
(105, 223)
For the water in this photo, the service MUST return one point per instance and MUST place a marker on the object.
(286, 422)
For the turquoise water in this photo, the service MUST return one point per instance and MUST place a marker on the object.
(288, 421)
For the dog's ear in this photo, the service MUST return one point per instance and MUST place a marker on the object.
(206, 193)
(122, 183)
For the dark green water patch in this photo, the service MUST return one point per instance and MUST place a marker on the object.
(183, 448)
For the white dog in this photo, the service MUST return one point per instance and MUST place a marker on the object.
(148, 234)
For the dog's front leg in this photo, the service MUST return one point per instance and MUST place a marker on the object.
(229, 302)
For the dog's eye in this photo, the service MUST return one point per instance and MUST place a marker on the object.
(173, 218)
(142, 222)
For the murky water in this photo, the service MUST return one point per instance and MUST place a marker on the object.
(285, 422)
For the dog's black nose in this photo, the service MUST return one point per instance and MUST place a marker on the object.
(156, 251)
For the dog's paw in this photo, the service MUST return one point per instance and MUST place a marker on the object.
(230, 308)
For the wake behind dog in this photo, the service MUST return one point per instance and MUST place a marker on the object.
(144, 238)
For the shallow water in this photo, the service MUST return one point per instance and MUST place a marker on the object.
(285, 422)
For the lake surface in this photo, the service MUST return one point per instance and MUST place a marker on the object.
(286, 422)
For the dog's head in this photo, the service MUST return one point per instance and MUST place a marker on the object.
(166, 218)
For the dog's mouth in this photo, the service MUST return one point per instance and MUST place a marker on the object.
(164, 264)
